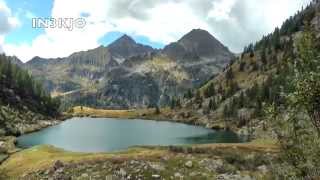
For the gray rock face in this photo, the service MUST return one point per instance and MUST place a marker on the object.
(127, 74)
(200, 54)
(202, 43)
(130, 90)
(126, 47)
(197, 43)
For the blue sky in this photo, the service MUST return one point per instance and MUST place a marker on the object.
(235, 23)
(20, 9)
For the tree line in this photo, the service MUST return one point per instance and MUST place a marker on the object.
(21, 91)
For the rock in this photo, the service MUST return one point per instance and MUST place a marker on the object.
(243, 132)
(155, 176)
(132, 162)
(157, 166)
(193, 174)
(109, 177)
(250, 156)
(263, 169)
(61, 177)
(233, 177)
(211, 164)
(122, 172)
(230, 177)
(57, 165)
(84, 175)
(46, 172)
(60, 170)
(165, 158)
(188, 164)
(177, 175)
(218, 162)
(246, 177)
(2, 147)
(222, 177)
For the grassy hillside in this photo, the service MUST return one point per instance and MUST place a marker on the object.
(256, 78)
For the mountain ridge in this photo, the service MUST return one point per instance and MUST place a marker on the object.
(128, 39)
(169, 70)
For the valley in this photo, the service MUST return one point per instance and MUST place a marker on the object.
(190, 110)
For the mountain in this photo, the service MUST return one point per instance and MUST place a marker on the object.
(128, 74)
(153, 79)
(198, 42)
(201, 54)
(15, 60)
(236, 97)
(125, 47)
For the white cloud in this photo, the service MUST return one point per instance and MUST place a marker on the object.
(165, 23)
(60, 42)
(7, 22)
(246, 21)
(235, 22)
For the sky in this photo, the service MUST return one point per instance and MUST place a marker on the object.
(235, 23)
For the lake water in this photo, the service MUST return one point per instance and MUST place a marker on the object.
(107, 134)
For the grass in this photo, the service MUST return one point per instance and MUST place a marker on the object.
(85, 111)
(42, 157)
(128, 114)
(163, 64)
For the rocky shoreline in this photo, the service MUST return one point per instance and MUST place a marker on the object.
(8, 143)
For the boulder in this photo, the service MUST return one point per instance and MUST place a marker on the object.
(156, 176)
(189, 164)
(57, 165)
(122, 172)
(157, 166)
(263, 169)
(178, 175)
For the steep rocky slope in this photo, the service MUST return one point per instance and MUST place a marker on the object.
(23, 103)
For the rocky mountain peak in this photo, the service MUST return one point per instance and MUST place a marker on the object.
(196, 35)
(202, 43)
(123, 40)
(36, 60)
(197, 43)
(125, 47)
